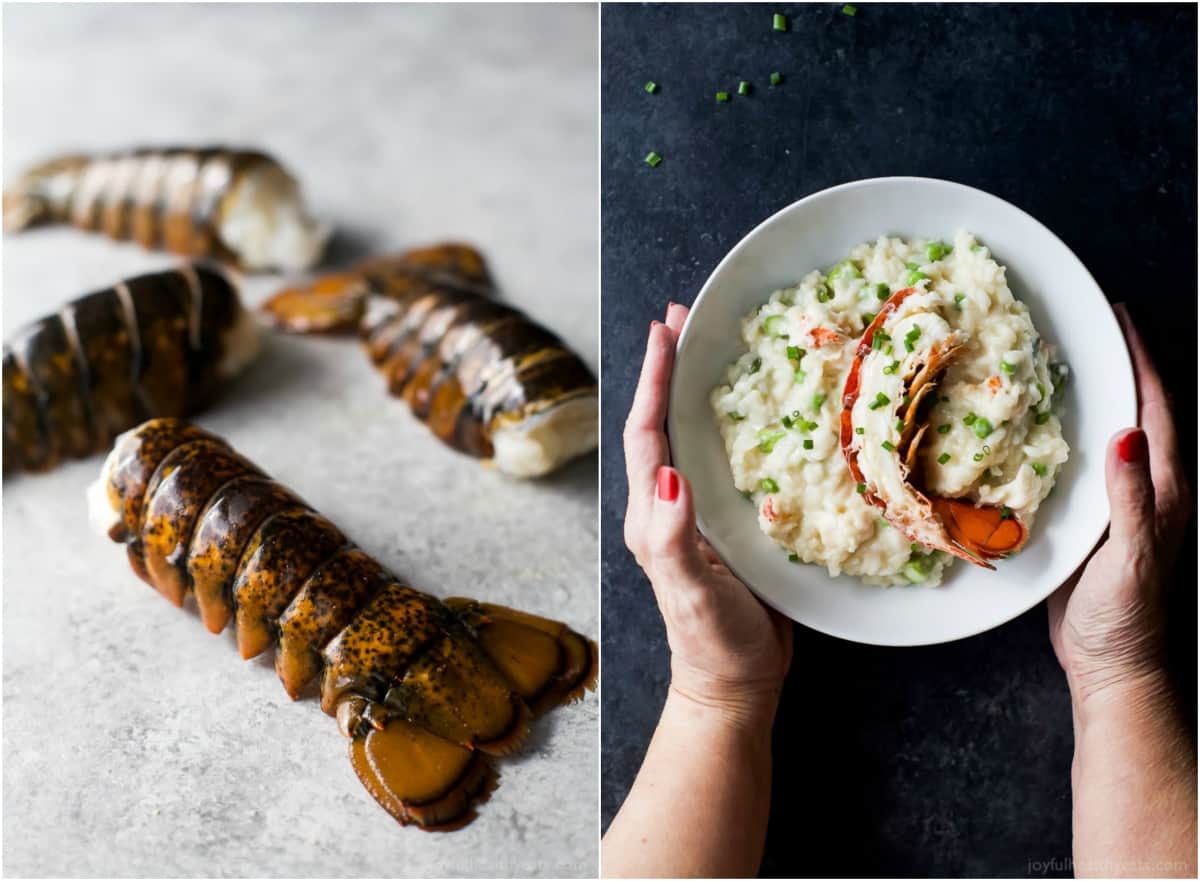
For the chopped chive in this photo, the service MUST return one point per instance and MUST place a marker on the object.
(977, 248)
(958, 300)
(911, 265)
(795, 414)
(768, 485)
(899, 425)
(743, 88)
(800, 376)
(651, 87)
(1042, 418)
(914, 547)
(862, 488)
(906, 400)
(882, 292)
(736, 417)
(868, 317)
(850, 10)
(808, 444)
(768, 437)
(935, 251)
(969, 419)
(794, 353)
(1008, 368)
(982, 427)
(793, 558)
(914, 276)
(944, 428)
(810, 426)
(845, 268)
(1041, 390)
(911, 337)
(1038, 468)
(776, 78)
(891, 368)
(1005, 513)
(978, 457)
(787, 421)
(889, 446)
(943, 458)
(818, 400)
(888, 350)
(755, 365)
(772, 325)
(780, 22)
(824, 294)
(881, 400)
(652, 159)
(722, 97)
(860, 430)
(747, 495)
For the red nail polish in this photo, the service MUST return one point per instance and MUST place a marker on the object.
(1132, 447)
(668, 484)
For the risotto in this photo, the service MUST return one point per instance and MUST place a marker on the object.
(950, 434)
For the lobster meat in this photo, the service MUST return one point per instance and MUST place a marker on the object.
(884, 469)
(428, 692)
(161, 344)
(237, 206)
(482, 376)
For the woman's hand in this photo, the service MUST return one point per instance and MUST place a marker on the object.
(729, 652)
(1107, 625)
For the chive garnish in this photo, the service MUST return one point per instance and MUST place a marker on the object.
(808, 444)
(958, 300)
(722, 97)
(944, 428)
(969, 419)
(862, 488)
(1038, 468)
(889, 446)
(736, 417)
(891, 368)
(880, 400)
(900, 425)
(935, 251)
(1005, 513)
(818, 400)
(651, 87)
(943, 458)
(768, 485)
(801, 376)
(882, 292)
(743, 88)
(868, 317)
(860, 430)
(776, 78)
(794, 353)
(850, 10)
(1042, 418)
(1007, 368)
(982, 427)
(793, 558)
(787, 421)
(824, 294)
(652, 159)
(768, 437)
(755, 365)
(978, 457)
(780, 22)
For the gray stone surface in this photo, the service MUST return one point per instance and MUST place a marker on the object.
(135, 743)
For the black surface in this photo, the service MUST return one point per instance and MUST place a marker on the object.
(953, 759)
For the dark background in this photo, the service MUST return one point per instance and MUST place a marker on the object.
(952, 759)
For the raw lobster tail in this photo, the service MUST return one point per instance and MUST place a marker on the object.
(482, 376)
(155, 345)
(238, 206)
(427, 691)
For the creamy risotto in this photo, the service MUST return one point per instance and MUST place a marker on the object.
(991, 437)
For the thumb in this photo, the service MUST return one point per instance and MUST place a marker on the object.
(671, 532)
(1130, 490)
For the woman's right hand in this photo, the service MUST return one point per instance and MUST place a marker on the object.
(729, 652)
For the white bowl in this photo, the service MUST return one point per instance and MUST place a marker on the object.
(1068, 309)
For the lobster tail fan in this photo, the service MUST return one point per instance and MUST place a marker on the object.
(418, 777)
(545, 661)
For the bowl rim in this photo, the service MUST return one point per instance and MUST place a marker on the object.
(1126, 363)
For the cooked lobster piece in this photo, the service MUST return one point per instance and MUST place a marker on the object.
(481, 375)
(888, 471)
(238, 206)
(157, 345)
(428, 692)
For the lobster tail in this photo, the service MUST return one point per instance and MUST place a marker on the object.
(483, 377)
(424, 689)
(157, 345)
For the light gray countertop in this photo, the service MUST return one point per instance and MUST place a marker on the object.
(135, 743)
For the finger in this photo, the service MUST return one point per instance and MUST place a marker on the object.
(674, 556)
(645, 443)
(1131, 492)
(1154, 414)
(676, 315)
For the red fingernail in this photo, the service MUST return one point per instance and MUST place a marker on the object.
(1132, 447)
(668, 484)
